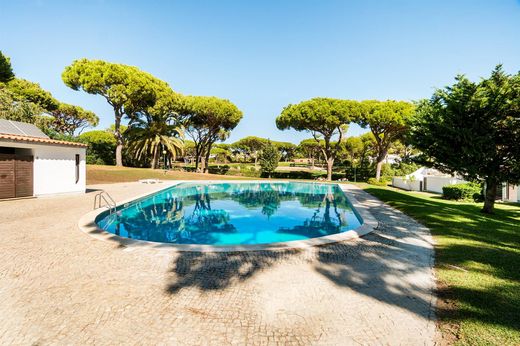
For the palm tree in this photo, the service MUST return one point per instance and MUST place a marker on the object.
(147, 136)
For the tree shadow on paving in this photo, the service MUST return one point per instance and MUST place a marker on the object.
(391, 265)
(218, 270)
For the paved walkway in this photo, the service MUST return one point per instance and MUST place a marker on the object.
(61, 286)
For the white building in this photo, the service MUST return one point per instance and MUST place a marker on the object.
(426, 179)
(32, 164)
(510, 193)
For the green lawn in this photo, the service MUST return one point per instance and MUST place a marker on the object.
(98, 174)
(477, 265)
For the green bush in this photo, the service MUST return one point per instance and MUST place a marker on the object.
(374, 181)
(101, 147)
(464, 191)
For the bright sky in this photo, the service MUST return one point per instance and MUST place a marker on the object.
(263, 55)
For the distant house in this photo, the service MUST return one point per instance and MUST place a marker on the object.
(510, 193)
(32, 164)
(303, 161)
(426, 179)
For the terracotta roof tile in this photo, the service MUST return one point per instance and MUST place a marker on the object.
(37, 140)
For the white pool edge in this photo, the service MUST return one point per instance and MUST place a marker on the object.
(87, 224)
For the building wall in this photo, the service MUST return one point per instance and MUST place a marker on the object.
(55, 170)
(513, 191)
(54, 167)
(406, 184)
(435, 184)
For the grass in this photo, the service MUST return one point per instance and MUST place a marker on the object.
(98, 174)
(477, 265)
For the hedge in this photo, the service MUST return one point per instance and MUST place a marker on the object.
(464, 191)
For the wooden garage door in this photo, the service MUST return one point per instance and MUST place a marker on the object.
(24, 176)
(7, 177)
(16, 176)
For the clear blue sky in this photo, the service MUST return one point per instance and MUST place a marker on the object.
(263, 55)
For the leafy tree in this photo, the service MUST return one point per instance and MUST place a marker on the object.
(6, 71)
(286, 149)
(101, 147)
(24, 90)
(208, 119)
(473, 129)
(388, 122)
(269, 158)
(250, 146)
(310, 149)
(12, 108)
(155, 128)
(151, 136)
(189, 151)
(323, 117)
(126, 88)
(68, 119)
(220, 154)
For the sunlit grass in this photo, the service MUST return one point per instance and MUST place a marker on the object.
(98, 174)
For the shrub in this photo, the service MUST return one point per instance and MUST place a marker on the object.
(464, 191)
(387, 170)
(374, 181)
(269, 158)
(101, 147)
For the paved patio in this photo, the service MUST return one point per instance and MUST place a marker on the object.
(59, 285)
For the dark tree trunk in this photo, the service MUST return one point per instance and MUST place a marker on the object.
(119, 138)
(489, 196)
(330, 164)
(206, 159)
(197, 157)
(155, 158)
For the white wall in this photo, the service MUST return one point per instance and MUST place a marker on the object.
(406, 184)
(55, 168)
(435, 184)
(514, 192)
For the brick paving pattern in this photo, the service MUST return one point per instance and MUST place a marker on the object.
(61, 286)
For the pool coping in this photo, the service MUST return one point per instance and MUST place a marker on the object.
(87, 224)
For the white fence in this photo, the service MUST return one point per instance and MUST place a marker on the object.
(407, 184)
(430, 183)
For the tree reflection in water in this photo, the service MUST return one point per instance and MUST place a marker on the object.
(200, 214)
(321, 225)
(164, 220)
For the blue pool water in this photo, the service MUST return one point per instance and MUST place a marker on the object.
(234, 214)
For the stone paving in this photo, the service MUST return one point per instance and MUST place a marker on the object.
(61, 286)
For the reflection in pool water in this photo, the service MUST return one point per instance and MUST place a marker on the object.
(234, 214)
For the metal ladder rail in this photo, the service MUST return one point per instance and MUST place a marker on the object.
(109, 201)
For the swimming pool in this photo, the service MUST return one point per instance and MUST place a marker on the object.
(234, 214)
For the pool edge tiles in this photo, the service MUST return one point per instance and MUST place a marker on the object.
(367, 222)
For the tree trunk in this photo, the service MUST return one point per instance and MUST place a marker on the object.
(206, 159)
(155, 158)
(378, 170)
(197, 158)
(119, 139)
(489, 196)
(380, 159)
(330, 163)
